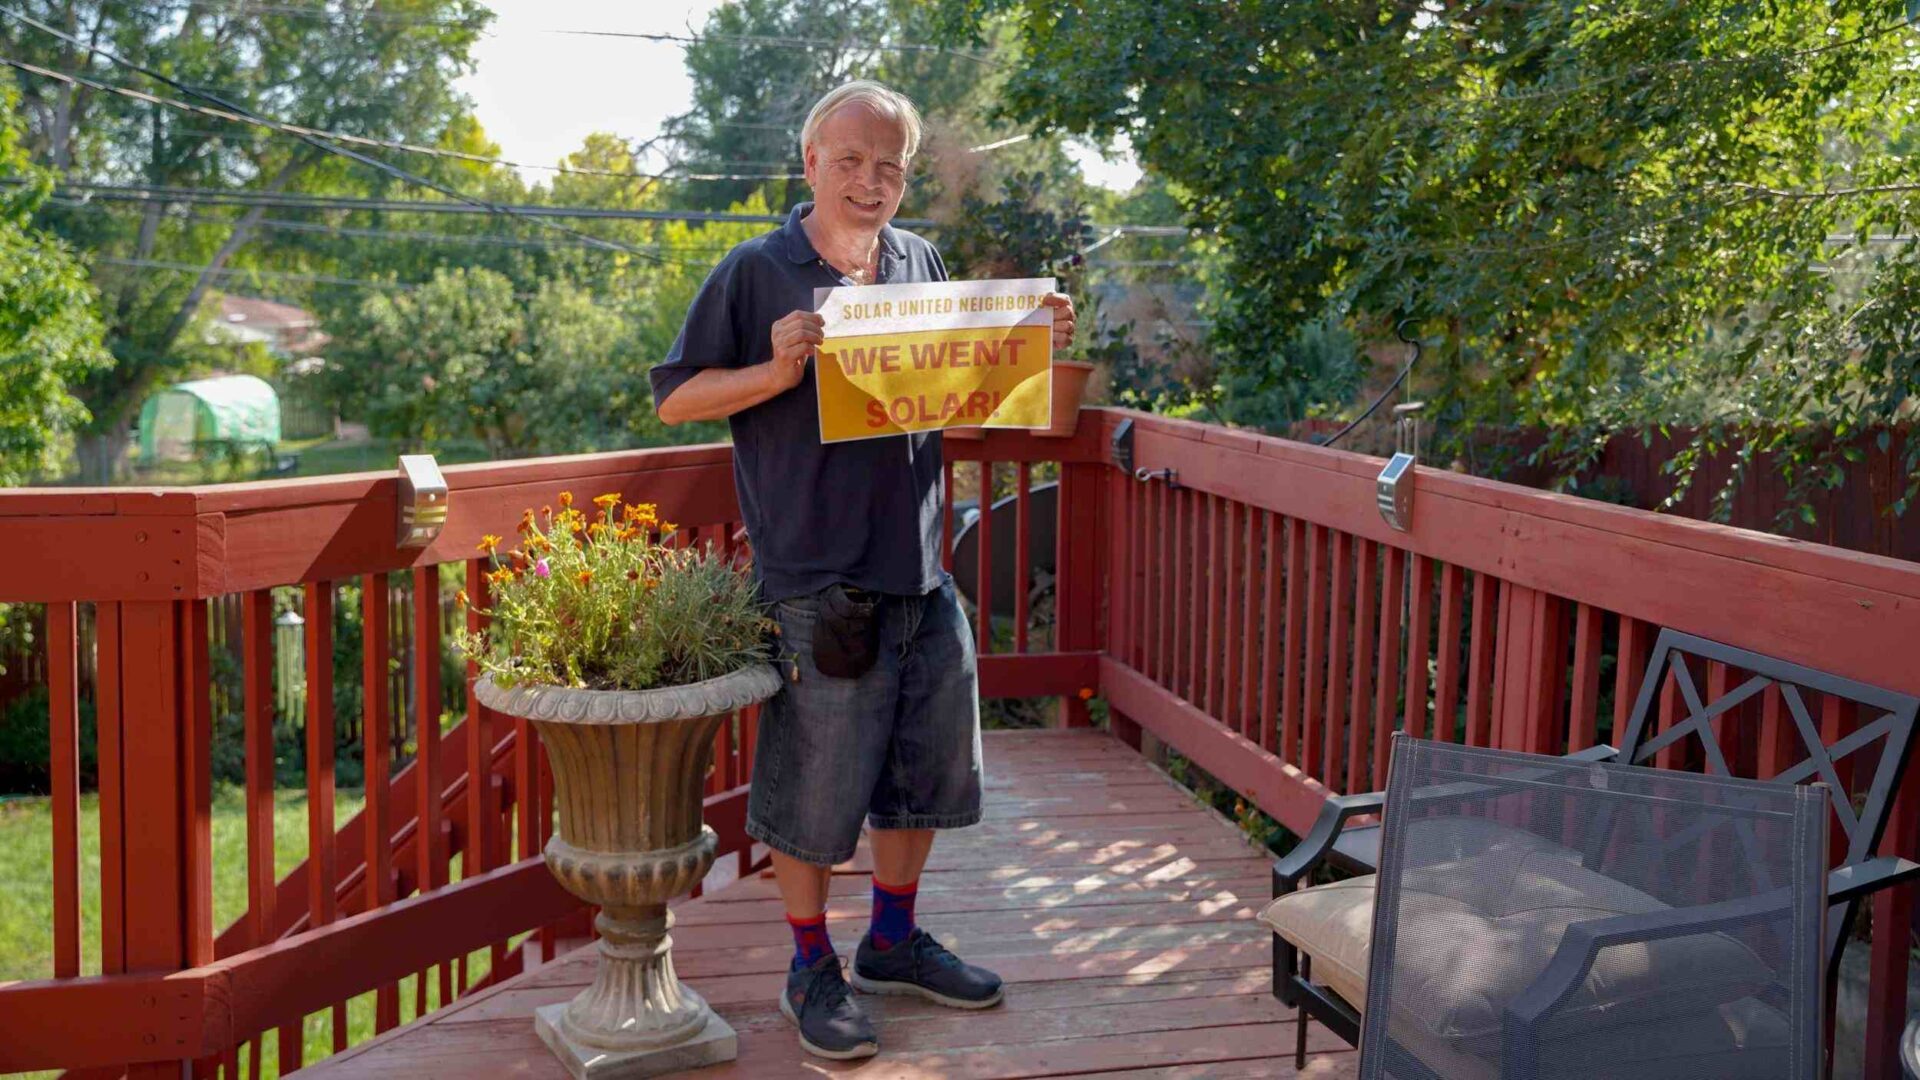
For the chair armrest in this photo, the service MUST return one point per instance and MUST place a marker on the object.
(1334, 814)
(1581, 945)
(1863, 879)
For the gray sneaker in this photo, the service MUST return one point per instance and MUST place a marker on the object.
(830, 1021)
(920, 965)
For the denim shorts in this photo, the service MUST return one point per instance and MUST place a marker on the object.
(899, 745)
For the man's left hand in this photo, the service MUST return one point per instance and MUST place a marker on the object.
(1062, 306)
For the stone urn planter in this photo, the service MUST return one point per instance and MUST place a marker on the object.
(629, 772)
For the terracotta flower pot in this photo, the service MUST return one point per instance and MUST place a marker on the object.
(1069, 391)
(629, 771)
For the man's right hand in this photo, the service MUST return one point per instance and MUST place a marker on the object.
(795, 337)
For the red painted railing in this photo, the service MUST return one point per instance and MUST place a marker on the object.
(1255, 613)
(379, 899)
(1262, 619)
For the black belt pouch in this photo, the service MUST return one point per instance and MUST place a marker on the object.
(846, 641)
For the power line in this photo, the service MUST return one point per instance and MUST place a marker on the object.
(318, 142)
(232, 271)
(228, 197)
(313, 13)
(285, 225)
(984, 147)
(785, 42)
(280, 128)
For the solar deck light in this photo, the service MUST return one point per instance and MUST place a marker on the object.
(1394, 489)
(423, 500)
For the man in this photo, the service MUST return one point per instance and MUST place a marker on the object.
(846, 542)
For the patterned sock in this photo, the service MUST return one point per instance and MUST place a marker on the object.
(810, 941)
(892, 913)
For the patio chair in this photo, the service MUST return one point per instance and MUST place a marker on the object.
(1322, 935)
(1538, 918)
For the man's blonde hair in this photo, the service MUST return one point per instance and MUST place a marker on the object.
(884, 100)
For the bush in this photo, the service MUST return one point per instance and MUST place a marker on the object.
(599, 602)
(26, 745)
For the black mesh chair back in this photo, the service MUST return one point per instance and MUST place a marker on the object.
(1540, 917)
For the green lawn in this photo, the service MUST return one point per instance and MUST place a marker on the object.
(26, 895)
(317, 457)
(322, 457)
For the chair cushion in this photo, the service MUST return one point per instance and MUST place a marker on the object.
(1737, 1040)
(1334, 925)
(1493, 907)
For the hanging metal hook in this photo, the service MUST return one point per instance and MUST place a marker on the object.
(1171, 476)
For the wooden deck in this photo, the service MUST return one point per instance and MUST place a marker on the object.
(1117, 908)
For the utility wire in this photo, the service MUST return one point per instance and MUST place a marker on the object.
(233, 271)
(297, 130)
(325, 228)
(320, 142)
(786, 42)
(75, 189)
(984, 147)
(311, 12)
(231, 197)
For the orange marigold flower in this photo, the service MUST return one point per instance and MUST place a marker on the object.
(566, 499)
(586, 577)
(596, 528)
(489, 543)
(653, 583)
(526, 523)
(641, 512)
(546, 513)
(460, 598)
(539, 543)
(1086, 693)
(668, 526)
(500, 576)
(606, 502)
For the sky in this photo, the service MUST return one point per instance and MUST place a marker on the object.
(539, 94)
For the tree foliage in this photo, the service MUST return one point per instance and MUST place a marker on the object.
(753, 87)
(49, 337)
(331, 68)
(464, 356)
(1611, 215)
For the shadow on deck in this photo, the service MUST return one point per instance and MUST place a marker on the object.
(1117, 908)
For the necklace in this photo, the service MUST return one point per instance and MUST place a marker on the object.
(864, 270)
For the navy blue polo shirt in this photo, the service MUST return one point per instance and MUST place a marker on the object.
(865, 513)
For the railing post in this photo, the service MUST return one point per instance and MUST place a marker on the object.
(157, 813)
(1077, 568)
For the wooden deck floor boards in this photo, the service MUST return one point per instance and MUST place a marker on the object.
(1118, 910)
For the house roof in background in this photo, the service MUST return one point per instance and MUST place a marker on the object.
(255, 313)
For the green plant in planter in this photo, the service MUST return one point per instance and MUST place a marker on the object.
(599, 601)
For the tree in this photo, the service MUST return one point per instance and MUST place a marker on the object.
(49, 336)
(358, 67)
(1610, 214)
(759, 65)
(465, 356)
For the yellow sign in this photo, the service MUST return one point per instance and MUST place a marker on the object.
(901, 358)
